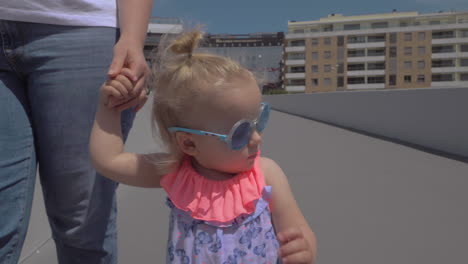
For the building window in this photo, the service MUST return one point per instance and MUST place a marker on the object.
(297, 43)
(376, 79)
(314, 55)
(327, 54)
(327, 41)
(407, 78)
(376, 38)
(376, 66)
(464, 62)
(340, 68)
(421, 35)
(356, 67)
(352, 27)
(408, 51)
(327, 28)
(443, 34)
(442, 77)
(443, 63)
(408, 36)
(421, 50)
(393, 52)
(463, 76)
(408, 64)
(464, 48)
(421, 78)
(315, 82)
(356, 53)
(421, 65)
(376, 52)
(298, 69)
(443, 49)
(291, 56)
(464, 34)
(340, 81)
(403, 24)
(315, 68)
(434, 22)
(392, 80)
(327, 68)
(379, 25)
(340, 41)
(314, 42)
(393, 37)
(356, 39)
(356, 80)
(327, 81)
(297, 82)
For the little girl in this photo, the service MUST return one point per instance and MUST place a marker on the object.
(228, 204)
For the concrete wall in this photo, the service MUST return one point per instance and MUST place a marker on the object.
(435, 119)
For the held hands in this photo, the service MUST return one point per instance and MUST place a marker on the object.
(129, 60)
(121, 92)
(295, 248)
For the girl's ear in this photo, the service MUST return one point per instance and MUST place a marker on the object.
(186, 143)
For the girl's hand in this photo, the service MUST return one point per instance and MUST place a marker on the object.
(119, 88)
(294, 247)
(137, 94)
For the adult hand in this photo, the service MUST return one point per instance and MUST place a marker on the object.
(129, 60)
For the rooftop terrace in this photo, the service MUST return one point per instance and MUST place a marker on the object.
(369, 199)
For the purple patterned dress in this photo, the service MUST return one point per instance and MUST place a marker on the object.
(246, 239)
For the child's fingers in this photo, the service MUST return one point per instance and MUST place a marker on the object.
(127, 104)
(113, 101)
(126, 82)
(293, 247)
(109, 90)
(302, 257)
(119, 86)
(290, 234)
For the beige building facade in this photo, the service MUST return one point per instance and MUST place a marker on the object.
(381, 51)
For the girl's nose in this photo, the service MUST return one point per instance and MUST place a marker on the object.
(255, 138)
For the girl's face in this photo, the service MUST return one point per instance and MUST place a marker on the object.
(236, 100)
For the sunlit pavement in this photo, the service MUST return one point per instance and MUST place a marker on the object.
(369, 201)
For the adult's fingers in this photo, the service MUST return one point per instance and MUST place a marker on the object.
(142, 101)
(118, 61)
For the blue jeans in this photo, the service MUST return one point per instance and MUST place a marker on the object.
(49, 84)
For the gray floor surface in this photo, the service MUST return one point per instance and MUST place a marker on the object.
(369, 201)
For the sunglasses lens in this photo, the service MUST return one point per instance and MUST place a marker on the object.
(263, 118)
(241, 136)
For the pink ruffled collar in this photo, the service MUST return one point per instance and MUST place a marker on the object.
(212, 200)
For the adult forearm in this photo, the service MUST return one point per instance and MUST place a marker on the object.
(133, 19)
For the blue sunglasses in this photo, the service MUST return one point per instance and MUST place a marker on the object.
(240, 133)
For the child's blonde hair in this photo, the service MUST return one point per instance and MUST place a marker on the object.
(180, 77)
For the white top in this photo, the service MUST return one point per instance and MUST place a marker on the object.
(61, 12)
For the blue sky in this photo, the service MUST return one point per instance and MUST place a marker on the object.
(241, 16)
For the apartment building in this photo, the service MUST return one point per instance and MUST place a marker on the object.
(379, 51)
(261, 53)
(159, 26)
